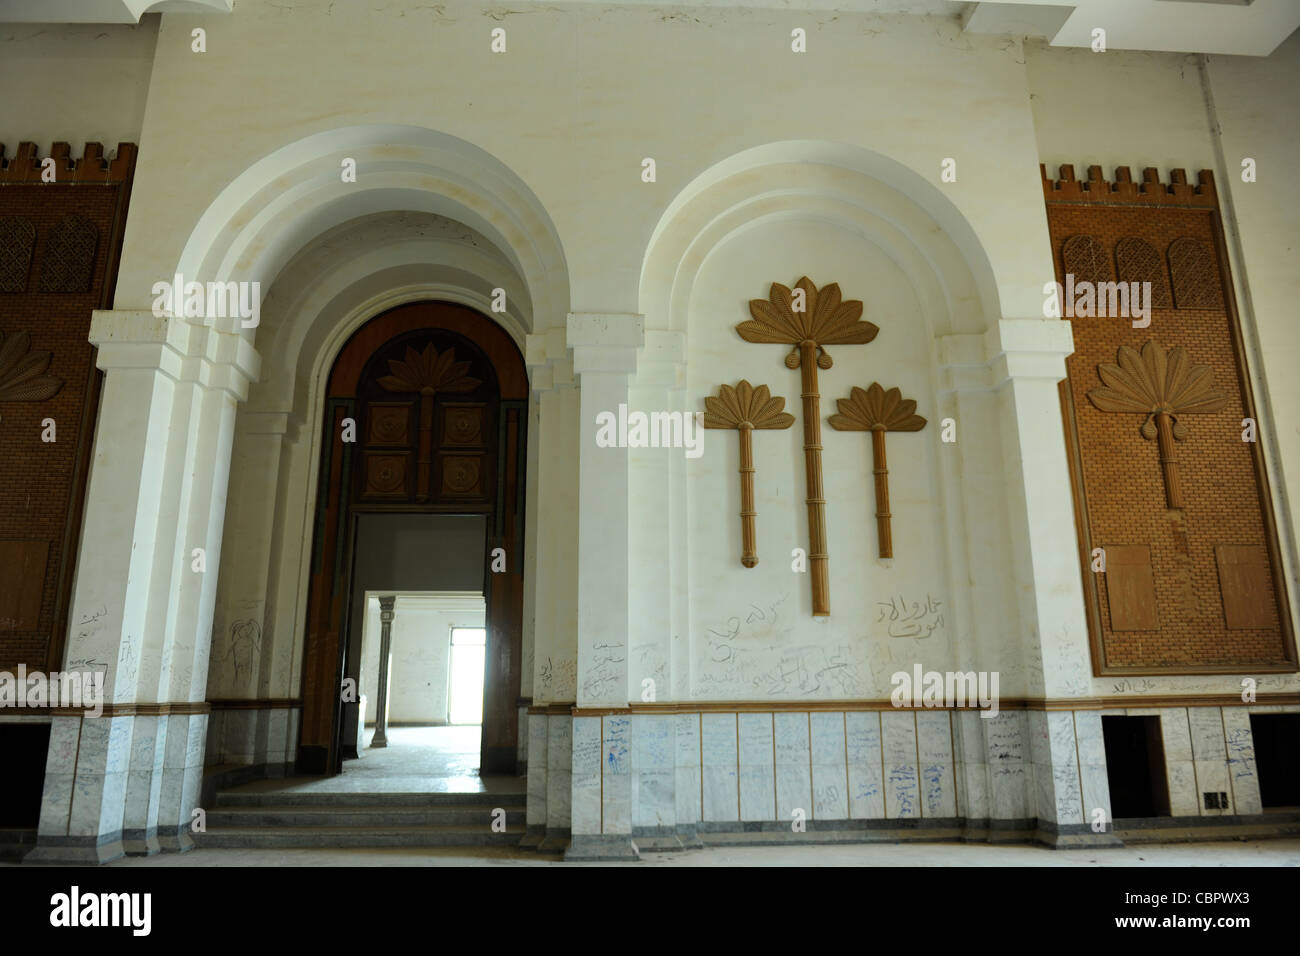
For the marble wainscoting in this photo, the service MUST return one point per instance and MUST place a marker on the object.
(647, 781)
(249, 740)
(617, 783)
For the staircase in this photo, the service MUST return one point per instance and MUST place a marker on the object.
(242, 820)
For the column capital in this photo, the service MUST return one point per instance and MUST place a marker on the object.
(662, 361)
(1027, 349)
(547, 357)
(138, 339)
(605, 341)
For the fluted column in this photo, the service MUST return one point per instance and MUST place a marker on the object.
(386, 615)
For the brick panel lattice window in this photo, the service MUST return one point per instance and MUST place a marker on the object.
(1085, 259)
(1136, 260)
(17, 239)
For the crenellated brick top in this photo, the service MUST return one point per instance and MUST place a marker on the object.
(1151, 191)
(92, 167)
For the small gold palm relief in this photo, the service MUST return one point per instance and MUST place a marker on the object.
(1159, 386)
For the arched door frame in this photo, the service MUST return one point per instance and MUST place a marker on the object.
(330, 571)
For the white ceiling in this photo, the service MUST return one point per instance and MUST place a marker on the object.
(101, 11)
(1244, 27)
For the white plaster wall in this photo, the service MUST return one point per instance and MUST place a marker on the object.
(1118, 108)
(1258, 116)
(753, 634)
(421, 655)
(563, 110)
(74, 83)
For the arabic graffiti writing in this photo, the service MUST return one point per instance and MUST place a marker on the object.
(898, 617)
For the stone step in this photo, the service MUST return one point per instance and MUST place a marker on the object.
(373, 816)
(275, 838)
(283, 799)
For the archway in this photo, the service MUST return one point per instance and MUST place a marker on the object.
(425, 414)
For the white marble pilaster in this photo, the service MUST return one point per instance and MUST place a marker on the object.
(686, 760)
(757, 773)
(830, 784)
(934, 748)
(653, 785)
(719, 761)
(1210, 757)
(793, 766)
(586, 806)
(1180, 772)
(604, 350)
(555, 482)
(1094, 780)
(539, 755)
(865, 766)
(559, 772)
(616, 760)
(1243, 772)
(898, 745)
(140, 610)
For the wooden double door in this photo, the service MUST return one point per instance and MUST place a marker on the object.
(425, 414)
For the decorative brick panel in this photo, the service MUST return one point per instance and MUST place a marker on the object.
(1215, 610)
(59, 243)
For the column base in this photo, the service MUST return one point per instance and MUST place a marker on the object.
(77, 850)
(556, 840)
(141, 842)
(601, 846)
(534, 836)
(177, 841)
(666, 839)
(1073, 836)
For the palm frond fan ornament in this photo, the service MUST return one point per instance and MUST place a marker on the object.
(746, 408)
(22, 371)
(878, 411)
(1160, 387)
(809, 320)
(427, 374)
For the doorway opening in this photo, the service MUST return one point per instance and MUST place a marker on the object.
(420, 489)
(1135, 765)
(465, 684)
(1277, 758)
(413, 722)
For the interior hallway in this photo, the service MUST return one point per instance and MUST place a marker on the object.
(416, 760)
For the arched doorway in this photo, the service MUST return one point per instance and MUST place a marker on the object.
(425, 415)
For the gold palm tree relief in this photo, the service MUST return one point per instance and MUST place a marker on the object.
(878, 411)
(809, 320)
(428, 373)
(22, 371)
(1161, 387)
(746, 408)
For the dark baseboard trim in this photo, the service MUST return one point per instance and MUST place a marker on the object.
(64, 850)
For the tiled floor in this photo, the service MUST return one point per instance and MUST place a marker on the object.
(416, 760)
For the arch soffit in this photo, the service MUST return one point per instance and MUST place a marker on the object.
(864, 192)
(304, 327)
(277, 206)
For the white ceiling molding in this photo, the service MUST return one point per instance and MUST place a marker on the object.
(1234, 27)
(1240, 27)
(102, 11)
